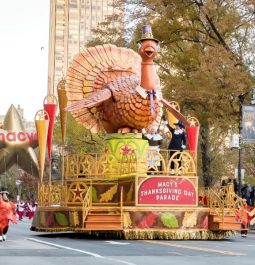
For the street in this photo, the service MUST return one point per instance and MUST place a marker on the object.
(29, 247)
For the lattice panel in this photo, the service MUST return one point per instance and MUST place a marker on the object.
(80, 165)
(155, 161)
(128, 163)
(184, 163)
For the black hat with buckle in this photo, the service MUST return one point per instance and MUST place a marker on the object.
(180, 124)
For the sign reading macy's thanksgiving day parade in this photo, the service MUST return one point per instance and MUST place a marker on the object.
(158, 190)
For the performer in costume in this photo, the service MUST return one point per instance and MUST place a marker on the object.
(31, 209)
(178, 141)
(26, 209)
(20, 209)
(7, 210)
(154, 140)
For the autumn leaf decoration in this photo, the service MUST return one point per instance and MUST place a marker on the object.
(50, 219)
(190, 219)
(148, 221)
(42, 218)
(127, 220)
(108, 195)
(204, 223)
(169, 220)
(61, 219)
(74, 218)
(94, 195)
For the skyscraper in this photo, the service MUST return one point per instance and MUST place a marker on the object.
(71, 25)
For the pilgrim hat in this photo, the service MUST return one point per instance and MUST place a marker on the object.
(180, 124)
(147, 34)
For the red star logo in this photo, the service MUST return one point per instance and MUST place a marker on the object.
(77, 192)
(126, 149)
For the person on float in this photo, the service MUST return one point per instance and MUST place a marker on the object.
(8, 213)
(155, 140)
(178, 141)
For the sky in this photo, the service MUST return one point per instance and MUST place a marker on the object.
(24, 34)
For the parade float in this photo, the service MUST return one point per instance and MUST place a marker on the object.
(127, 190)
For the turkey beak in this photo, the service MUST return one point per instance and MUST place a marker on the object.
(149, 51)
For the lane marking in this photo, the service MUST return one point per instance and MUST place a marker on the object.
(23, 244)
(229, 253)
(175, 253)
(64, 247)
(116, 243)
(121, 261)
(79, 250)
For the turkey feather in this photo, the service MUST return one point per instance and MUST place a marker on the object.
(92, 100)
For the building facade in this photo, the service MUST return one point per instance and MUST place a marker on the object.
(71, 25)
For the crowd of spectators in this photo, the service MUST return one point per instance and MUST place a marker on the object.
(247, 191)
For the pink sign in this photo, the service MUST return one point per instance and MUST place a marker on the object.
(170, 191)
(18, 136)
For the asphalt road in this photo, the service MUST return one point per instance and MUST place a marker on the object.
(26, 247)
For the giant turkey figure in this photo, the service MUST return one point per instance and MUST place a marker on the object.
(116, 86)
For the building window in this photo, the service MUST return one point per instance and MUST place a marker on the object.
(72, 5)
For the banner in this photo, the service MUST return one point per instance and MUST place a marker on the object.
(248, 124)
(170, 117)
(167, 191)
(62, 100)
(192, 137)
(192, 132)
(50, 106)
(42, 125)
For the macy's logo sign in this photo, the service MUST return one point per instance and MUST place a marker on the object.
(18, 136)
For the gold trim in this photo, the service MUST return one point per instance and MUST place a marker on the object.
(106, 166)
(87, 203)
(149, 234)
(194, 122)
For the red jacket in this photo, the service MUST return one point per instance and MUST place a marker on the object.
(7, 210)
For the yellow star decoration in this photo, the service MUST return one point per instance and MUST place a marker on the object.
(16, 145)
(77, 190)
(193, 122)
(175, 105)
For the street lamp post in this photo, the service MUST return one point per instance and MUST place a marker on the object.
(18, 182)
(239, 174)
(241, 98)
